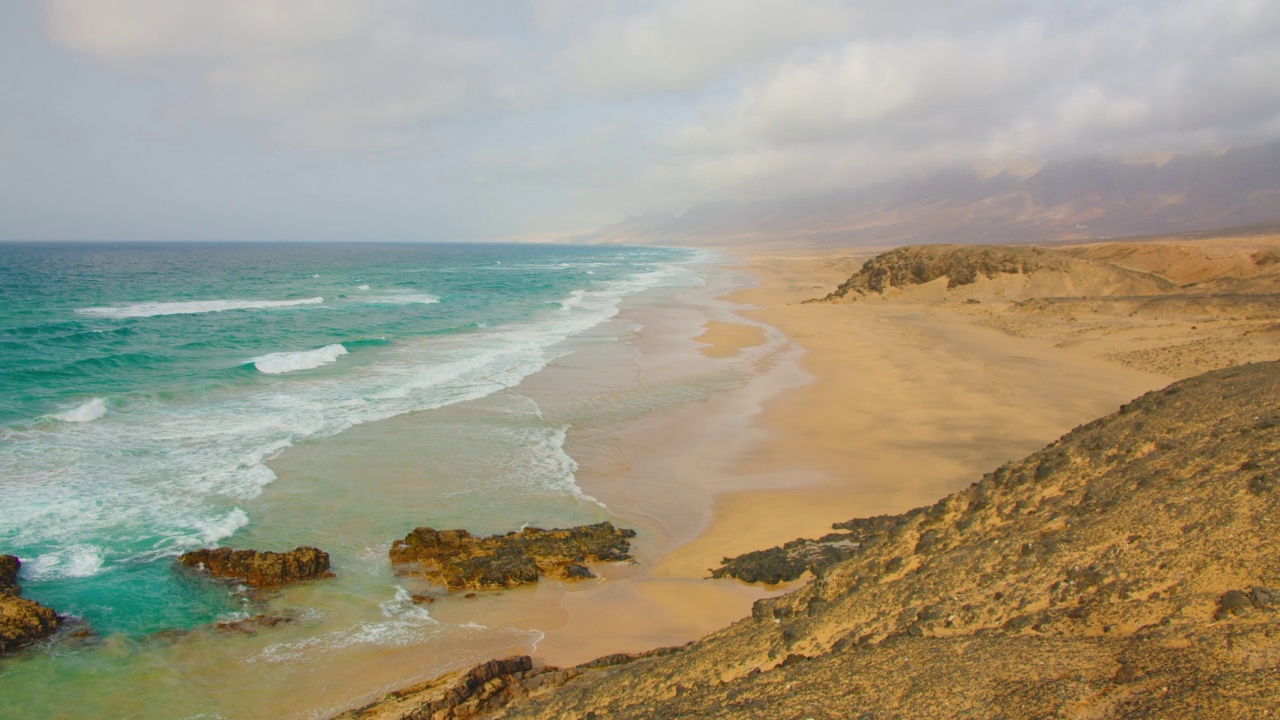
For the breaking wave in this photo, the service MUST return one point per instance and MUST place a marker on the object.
(284, 362)
(191, 307)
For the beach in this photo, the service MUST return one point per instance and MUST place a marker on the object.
(866, 408)
(715, 418)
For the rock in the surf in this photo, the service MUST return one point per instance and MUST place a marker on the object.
(21, 620)
(459, 560)
(260, 569)
(9, 565)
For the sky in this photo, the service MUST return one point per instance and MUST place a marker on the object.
(414, 120)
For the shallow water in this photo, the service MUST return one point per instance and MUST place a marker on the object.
(163, 398)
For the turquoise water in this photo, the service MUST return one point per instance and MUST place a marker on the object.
(146, 387)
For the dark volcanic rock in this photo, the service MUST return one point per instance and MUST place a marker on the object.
(482, 689)
(789, 562)
(487, 689)
(9, 565)
(251, 625)
(458, 560)
(21, 620)
(261, 569)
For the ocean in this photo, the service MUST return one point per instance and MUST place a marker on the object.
(163, 397)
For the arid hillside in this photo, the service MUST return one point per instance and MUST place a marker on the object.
(1173, 306)
(1130, 569)
(1123, 571)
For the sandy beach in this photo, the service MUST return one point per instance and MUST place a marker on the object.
(725, 417)
(862, 409)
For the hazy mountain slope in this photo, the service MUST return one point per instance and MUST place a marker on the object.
(1080, 199)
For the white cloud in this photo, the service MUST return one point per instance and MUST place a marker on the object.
(335, 74)
(683, 45)
(1121, 78)
(580, 108)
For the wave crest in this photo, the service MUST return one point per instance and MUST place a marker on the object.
(85, 412)
(76, 561)
(191, 307)
(406, 299)
(283, 362)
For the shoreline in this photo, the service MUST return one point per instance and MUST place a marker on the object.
(803, 445)
(717, 420)
(652, 471)
(950, 401)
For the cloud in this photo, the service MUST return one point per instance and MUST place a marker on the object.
(683, 45)
(1120, 78)
(330, 74)
(566, 111)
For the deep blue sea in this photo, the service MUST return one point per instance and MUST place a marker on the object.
(145, 385)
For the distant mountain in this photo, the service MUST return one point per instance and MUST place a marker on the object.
(1079, 199)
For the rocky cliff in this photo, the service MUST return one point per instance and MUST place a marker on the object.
(1129, 569)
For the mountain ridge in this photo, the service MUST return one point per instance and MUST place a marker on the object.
(1081, 199)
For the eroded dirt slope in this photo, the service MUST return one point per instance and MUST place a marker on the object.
(1128, 570)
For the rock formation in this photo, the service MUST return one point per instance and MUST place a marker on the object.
(459, 560)
(484, 689)
(9, 565)
(1130, 569)
(21, 620)
(262, 570)
(462, 694)
(967, 264)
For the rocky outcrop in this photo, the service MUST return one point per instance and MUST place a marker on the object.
(257, 569)
(790, 561)
(960, 264)
(484, 689)
(21, 621)
(9, 565)
(463, 694)
(459, 560)
(967, 264)
(1130, 569)
(252, 624)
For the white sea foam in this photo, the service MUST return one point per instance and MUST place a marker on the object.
(212, 531)
(191, 307)
(546, 467)
(85, 412)
(575, 299)
(75, 561)
(362, 287)
(175, 474)
(283, 362)
(405, 299)
(406, 624)
(402, 606)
